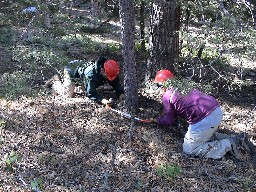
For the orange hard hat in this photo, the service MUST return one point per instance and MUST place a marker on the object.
(111, 69)
(163, 75)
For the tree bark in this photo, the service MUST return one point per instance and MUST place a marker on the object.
(142, 25)
(250, 6)
(95, 8)
(126, 12)
(164, 36)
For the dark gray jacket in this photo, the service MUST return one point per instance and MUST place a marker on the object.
(90, 74)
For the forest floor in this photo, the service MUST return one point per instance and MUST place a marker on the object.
(77, 145)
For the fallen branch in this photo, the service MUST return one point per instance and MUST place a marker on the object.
(208, 65)
(113, 150)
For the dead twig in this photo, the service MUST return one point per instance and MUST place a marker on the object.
(113, 151)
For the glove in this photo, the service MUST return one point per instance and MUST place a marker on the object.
(121, 98)
(107, 102)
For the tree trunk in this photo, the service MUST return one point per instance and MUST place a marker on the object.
(94, 8)
(46, 15)
(130, 78)
(250, 6)
(47, 20)
(142, 25)
(164, 36)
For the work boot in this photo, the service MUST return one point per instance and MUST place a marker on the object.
(246, 143)
(234, 147)
(50, 82)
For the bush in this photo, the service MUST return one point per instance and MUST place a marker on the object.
(168, 171)
(15, 85)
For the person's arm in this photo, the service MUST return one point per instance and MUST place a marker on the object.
(90, 89)
(100, 62)
(117, 86)
(168, 116)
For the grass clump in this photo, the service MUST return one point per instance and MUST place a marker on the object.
(168, 171)
(36, 184)
(11, 159)
(85, 43)
(16, 85)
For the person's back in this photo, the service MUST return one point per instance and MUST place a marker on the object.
(204, 115)
(194, 106)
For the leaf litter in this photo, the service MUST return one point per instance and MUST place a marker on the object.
(77, 145)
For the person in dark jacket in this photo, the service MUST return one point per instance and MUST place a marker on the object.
(92, 75)
(203, 114)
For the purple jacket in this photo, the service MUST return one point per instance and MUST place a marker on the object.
(193, 107)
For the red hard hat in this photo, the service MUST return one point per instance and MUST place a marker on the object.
(111, 69)
(163, 75)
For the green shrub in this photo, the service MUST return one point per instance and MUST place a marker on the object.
(36, 55)
(209, 55)
(88, 45)
(112, 47)
(36, 184)
(57, 31)
(168, 171)
(11, 159)
(16, 85)
(6, 35)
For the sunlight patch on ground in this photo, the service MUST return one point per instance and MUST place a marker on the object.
(101, 39)
(125, 159)
(22, 107)
(117, 24)
(201, 35)
(65, 101)
(241, 62)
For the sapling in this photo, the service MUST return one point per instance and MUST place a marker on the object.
(168, 171)
(10, 160)
(184, 85)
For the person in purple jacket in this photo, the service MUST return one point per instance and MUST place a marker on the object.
(203, 114)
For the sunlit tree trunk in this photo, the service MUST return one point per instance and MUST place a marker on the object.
(164, 36)
(128, 31)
